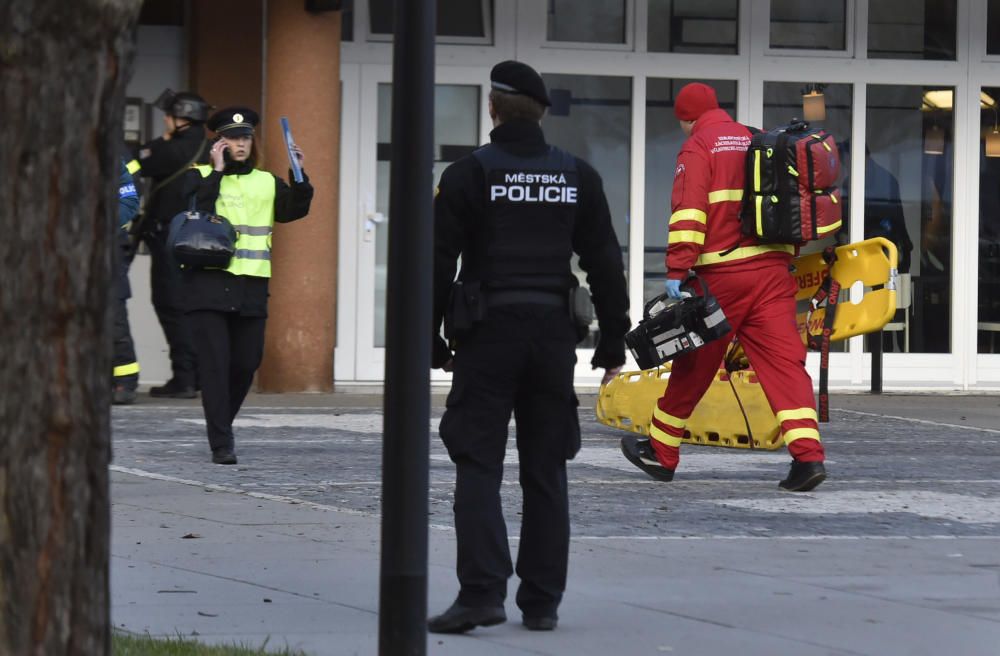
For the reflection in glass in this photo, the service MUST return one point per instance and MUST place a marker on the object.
(600, 21)
(989, 228)
(912, 29)
(908, 200)
(461, 19)
(456, 134)
(663, 141)
(591, 117)
(809, 25)
(699, 26)
(993, 28)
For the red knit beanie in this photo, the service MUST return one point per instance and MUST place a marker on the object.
(694, 100)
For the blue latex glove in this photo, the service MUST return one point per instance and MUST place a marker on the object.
(673, 288)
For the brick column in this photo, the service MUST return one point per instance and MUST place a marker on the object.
(302, 82)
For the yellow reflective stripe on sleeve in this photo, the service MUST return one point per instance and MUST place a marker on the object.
(830, 228)
(125, 369)
(801, 434)
(669, 420)
(686, 237)
(723, 195)
(798, 413)
(133, 166)
(663, 437)
(688, 215)
(743, 253)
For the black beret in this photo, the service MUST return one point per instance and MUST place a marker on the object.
(233, 121)
(514, 77)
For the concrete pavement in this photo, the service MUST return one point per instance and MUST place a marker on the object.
(898, 553)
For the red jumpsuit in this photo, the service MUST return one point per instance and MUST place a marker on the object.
(752, 283)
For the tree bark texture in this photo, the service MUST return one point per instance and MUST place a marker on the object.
(64, 65)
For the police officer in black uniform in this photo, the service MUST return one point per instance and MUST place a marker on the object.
(164, 161)
(516, 210)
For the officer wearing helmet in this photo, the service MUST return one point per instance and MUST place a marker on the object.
(163, 161)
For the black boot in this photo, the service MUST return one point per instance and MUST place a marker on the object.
(224, 456)
(640, 453)
(173, 389)
(459, 619)
(122, 395)
(540, 622)
(803, 476)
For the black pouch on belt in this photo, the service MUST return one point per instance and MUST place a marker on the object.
(466, 307)
(581, 310)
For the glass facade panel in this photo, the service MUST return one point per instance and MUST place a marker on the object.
(591, 117)
(697, 26)
(909, 165)
(456, 134)
(993, 28)
(912, 29)
(663, 141)
(461, 19)
(989, 223)
(809, 25)
(600, 21)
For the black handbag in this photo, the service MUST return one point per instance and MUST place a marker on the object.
(201, 239)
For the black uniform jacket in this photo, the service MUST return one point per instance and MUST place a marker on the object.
(461, 203)
(160, 159)
(216, 289)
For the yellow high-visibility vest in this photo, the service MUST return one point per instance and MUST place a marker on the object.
(248, 202)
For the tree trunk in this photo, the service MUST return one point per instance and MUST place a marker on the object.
(63, 70)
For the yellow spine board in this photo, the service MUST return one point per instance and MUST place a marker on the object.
(627, 401)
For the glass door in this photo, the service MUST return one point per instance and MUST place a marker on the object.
(459, 109)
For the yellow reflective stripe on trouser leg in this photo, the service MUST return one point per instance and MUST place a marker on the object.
(685, 237)
(797, 413)
(133, 166)
(688, 215)
(801, 434)
(663, 437)
(125, 370)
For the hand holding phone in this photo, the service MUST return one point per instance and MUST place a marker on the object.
(220, 155)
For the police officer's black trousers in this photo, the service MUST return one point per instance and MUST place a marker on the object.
(165, 284)
(126, 368)
(230, 348)
(520, 359)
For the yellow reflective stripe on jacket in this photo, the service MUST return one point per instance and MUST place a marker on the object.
(247, 201)
(743, 253)
(669, 420)
(801, 434)
(133, 166)
(798, 413)
(686, 237)
(723, 195)
(125, 370)
(661, 436)
(688, 215)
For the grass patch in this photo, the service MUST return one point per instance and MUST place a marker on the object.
(124, 644)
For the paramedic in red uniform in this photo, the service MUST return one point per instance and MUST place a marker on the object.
(753, 285)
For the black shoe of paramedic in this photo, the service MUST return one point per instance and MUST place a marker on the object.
(173, 389)
(803, 476)
(223, 456)
(122, 395)
(640, 453)
(459, 618)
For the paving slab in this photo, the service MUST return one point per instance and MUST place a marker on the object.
(897, 553)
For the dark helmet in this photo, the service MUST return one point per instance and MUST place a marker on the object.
(183, 105)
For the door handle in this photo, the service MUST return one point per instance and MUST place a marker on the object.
(372, 219)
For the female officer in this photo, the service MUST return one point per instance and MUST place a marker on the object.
(227, 307)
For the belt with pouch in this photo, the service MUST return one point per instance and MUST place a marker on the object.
(526, 297)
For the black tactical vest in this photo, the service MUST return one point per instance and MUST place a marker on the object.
(525, 240)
